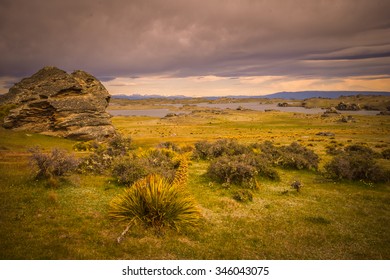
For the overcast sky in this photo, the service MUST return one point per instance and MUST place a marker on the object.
(197, 48)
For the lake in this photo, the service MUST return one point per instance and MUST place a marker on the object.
(245, 105)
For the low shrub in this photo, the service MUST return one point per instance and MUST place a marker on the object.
(241, 168)
(222, 147)
(356, 164)
(264, 167)
(386, 154)
(170, 146)
(269, 150)
(103, 156)
(87, 146)
(362, 150)
(297, 185)
(129, 169)
(54, 164)
(298, 157)
(161, 161)
(202, 150)
(228, 169)
(294, 156)
(243, 195)
(99, 162)
(119, 145)
(333, 150)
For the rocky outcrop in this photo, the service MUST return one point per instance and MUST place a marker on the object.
(330, 112)
(54, 102)
(348, 107)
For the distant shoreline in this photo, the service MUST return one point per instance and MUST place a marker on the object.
(292, 95)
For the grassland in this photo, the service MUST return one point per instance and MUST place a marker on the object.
(326, 220)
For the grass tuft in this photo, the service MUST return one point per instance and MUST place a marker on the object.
(155, 203)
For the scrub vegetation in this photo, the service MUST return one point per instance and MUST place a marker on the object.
(211, 184)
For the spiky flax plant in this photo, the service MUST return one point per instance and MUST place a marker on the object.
(156, 203)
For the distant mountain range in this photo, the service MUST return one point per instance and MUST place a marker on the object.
(152, 96)
(323, 94)
(283, 95)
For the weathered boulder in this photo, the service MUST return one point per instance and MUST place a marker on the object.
(325, 133)
(348, 107)
(54, 102)
(330, 112)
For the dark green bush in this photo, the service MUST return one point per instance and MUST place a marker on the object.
(57, 163)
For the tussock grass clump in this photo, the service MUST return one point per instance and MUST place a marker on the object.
(155, 202)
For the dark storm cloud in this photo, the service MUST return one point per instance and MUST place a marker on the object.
(190, 38)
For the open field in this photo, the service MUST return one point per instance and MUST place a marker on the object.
(325, 220)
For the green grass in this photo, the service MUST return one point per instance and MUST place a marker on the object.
(325, 220)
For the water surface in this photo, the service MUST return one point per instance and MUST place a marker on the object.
(244, 105)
